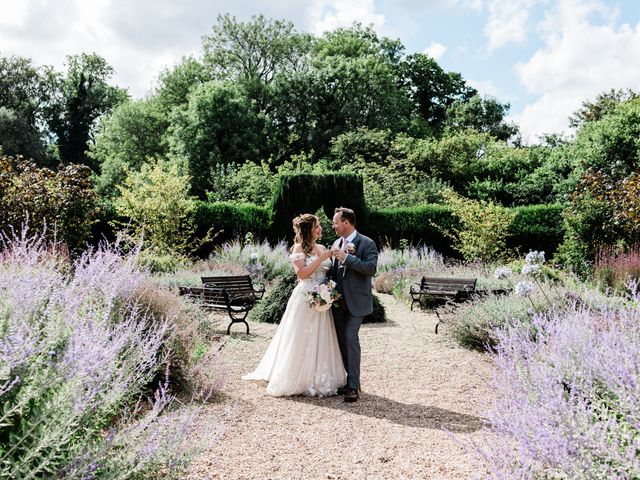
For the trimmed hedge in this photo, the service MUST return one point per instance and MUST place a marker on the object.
(307, 192)
(535, 227)
(418, 225)
(230, 221)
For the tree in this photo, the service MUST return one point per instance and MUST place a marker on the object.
(25, 92)
(131, 135)
(175, 83)
(486, 115)
(611, 144)
(83, 96)
(17, 137)
(432, 90)
(254, 53)
(604, 104)
(218, 126)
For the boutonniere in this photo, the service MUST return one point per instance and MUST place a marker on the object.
(351, 248)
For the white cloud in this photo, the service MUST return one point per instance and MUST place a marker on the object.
(138, 39)
(326, 15)
(485, 87)
(579, 60)
(508, 22)
(435, 50)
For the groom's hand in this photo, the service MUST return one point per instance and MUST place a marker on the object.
(339, 254)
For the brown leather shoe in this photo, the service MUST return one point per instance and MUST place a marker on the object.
(342, 390)
(351, 395)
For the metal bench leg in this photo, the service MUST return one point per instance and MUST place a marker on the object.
(237, 321)
(438, 323)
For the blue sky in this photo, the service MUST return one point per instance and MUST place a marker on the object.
(544, 57)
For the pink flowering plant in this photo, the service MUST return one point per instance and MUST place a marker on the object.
(323, 296)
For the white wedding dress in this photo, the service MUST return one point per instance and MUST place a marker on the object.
(303, 357)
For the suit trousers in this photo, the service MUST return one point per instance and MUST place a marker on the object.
(347, 328)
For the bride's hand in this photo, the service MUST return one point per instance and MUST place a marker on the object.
(327, 254)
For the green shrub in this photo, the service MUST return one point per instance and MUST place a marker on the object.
(536, 227)
(271, 308)
(484, 228)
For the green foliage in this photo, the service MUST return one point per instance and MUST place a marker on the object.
(218, 126)
(602, 212)
(271, 308)
(19, 138)
(432, 90)
(486, 115)
(536, 227)
(25, 90)
(130, 136)
(306, 192)
(175, 83)
(612, 144)
(422, 225)
(246, 183)
(157, 203)
(229, 221)
(484, 228)
(85, 95)
(35, 198)
(604, 104)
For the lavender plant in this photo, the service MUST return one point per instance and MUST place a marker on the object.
(567, 395)
(77, 351)
(261, 260)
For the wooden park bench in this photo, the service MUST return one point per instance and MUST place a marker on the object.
(443, 291)
(235, 295)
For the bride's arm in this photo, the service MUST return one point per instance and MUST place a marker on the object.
(305, 271)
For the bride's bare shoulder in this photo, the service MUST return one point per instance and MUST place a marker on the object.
(297, 248)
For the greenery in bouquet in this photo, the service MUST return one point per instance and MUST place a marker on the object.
(322, 296)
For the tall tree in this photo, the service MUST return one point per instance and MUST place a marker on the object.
(83, 96)
(25, 92)
(432, 90)
(604, 104)
(217, 127)
(253, 53)
(486, 115)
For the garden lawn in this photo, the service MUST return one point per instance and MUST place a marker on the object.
(422, 399)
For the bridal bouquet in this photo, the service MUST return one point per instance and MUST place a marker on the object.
(322, 296)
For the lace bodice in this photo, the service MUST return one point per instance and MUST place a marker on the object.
(321, 272)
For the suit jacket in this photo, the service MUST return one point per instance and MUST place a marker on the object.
(353, 278)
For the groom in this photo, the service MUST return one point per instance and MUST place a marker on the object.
(355, 262)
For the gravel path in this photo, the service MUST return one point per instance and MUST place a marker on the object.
(417, 387)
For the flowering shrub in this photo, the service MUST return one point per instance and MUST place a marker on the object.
(568, 402)
(78, 349)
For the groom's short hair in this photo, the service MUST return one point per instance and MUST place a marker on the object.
(347, 214)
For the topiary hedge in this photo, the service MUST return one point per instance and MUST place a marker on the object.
(537, 227)
(307, 192)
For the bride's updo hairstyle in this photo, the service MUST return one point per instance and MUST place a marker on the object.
(303, 226)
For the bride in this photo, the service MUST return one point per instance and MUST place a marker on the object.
(303, 357)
